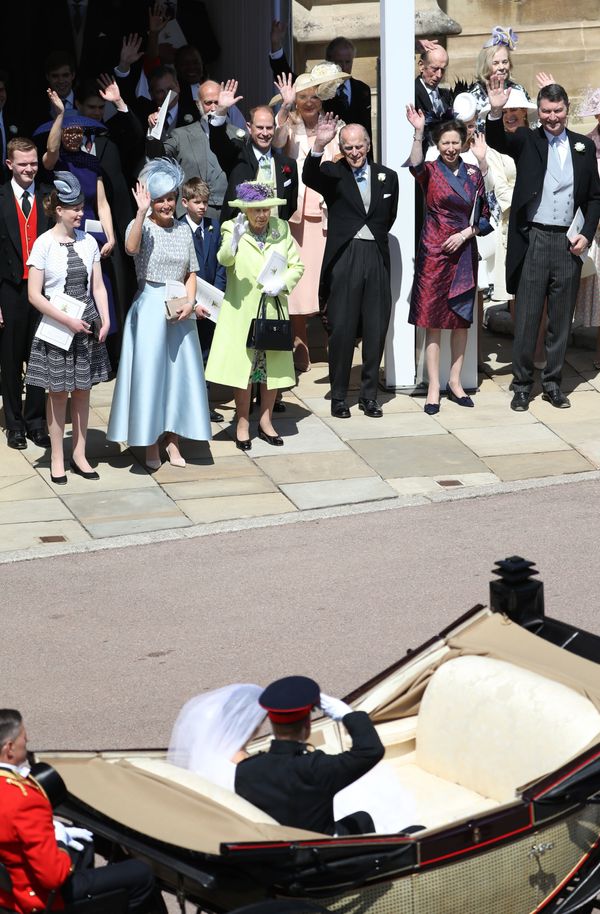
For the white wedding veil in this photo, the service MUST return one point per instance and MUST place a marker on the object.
(211, 728)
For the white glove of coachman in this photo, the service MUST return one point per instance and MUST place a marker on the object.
(334, 708)
(240, 227)
(68, 835)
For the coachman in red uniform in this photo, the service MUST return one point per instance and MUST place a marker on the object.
(40, 869)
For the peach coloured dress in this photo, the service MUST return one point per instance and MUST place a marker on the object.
(309, 223)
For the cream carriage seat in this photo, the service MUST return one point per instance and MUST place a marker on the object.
(486, 727)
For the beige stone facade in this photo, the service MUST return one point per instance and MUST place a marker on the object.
(556, 36)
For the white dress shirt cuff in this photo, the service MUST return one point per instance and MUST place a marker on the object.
(121, 73)
(317, 155)
(217, 120)
(494, 117)
(276, 55)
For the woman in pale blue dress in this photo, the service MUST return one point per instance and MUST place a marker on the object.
(160, 388)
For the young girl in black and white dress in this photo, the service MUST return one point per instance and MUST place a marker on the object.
(65, 259)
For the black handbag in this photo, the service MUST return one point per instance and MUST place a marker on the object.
(270, 333)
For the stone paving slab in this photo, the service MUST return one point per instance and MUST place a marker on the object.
(13, 463)
(427, 485)
(14, 537)
(211, 488)
(433, 455)
(17, 488)
(324, 494)
(34, 510)
(510, 439)
(291, 468)
(209, 510)
(392, 425)
(225, 468)
(534, 466)
(126, 511)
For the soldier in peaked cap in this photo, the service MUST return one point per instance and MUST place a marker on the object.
(295, 783)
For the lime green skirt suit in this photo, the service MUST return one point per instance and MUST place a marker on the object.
(230, 362)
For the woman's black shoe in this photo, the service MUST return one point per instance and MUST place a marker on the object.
(460, 401)
(243, 445)
(80, 472)
(59, 480)
(270, 439)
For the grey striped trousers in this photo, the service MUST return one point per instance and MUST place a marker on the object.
(549, 271)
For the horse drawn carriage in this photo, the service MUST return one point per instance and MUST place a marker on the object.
(492, 728)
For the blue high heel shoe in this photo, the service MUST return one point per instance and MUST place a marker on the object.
(460, 401)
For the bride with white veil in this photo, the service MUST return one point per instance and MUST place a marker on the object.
(211, 731)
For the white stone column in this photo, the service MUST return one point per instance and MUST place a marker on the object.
(397, 89)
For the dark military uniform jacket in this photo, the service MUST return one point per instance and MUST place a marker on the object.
(296, 786)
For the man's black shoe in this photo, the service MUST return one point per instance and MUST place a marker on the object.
(16, 439)
(340, 409)
(215, 416)
(370, 408)
(520, 401)
(39, 437)
(557, 398)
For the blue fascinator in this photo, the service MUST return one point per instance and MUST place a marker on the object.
(161, 176)
(68, 188)
(502, 36)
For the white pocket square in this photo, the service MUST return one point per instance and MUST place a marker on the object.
(386, 195)
(287, 183)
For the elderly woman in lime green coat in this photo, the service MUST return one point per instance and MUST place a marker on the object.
(247, 242)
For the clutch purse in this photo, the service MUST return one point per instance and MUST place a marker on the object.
(172, 306)
(273, 334)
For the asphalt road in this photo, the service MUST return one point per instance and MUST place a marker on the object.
(101, 650)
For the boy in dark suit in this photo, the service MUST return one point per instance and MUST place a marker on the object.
(207, 240)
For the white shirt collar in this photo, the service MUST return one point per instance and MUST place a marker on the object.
(24, 770)
(18, 191)
(193, 225)
(259, 153)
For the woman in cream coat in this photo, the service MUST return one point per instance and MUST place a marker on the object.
(247, 243)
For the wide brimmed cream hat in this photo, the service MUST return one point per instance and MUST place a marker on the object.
(326, 77)
(255, 195)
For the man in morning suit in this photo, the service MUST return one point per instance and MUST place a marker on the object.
(253, 159)
(352, 101)
(294, 783)
(355, 292)
(39, 867)
(429, 98)
(557, 175)
(22, 219)
(207, 241)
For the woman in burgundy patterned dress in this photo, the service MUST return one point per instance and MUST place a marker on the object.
(445, 282)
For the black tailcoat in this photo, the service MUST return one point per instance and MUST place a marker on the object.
(529, 149)
(346, 211)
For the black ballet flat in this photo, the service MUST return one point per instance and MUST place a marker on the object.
(59, 480)
(275, 440)
(431, 409)
(79, 472)
(460, 401)
(243, 445)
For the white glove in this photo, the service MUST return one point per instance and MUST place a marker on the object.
(68, 835)
(334, 707)
(273, 287)
(240, 227)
